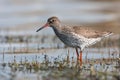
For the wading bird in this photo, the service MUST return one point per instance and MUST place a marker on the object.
(77, 37)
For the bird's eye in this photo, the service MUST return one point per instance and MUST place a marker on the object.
(53, 20)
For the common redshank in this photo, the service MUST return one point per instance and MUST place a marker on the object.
(77, 37)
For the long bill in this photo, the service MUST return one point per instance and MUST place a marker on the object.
(46, 25)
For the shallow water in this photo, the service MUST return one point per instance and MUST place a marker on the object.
(61, 53)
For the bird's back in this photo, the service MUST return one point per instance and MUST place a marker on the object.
(85, 31)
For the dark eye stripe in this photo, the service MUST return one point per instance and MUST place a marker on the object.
(51, 21)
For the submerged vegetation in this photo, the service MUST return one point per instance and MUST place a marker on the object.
(67, 69)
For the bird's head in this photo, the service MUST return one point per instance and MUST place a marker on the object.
(51, 22)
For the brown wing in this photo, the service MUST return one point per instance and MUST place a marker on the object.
(89, 33)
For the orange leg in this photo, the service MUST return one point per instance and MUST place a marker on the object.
(80, 58)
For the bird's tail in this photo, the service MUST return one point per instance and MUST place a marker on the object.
(107, 34)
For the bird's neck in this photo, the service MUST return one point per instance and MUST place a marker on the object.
(57, 30)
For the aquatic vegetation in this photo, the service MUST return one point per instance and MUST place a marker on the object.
(32, 57)
(102, 69)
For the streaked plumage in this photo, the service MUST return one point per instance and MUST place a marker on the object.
(75, 36)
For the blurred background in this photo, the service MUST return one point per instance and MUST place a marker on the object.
(25, 16)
